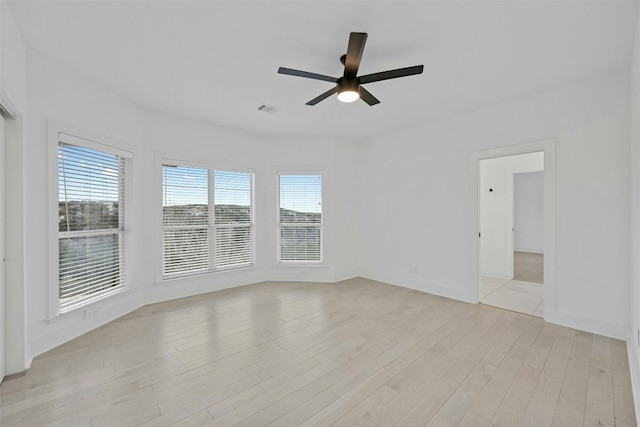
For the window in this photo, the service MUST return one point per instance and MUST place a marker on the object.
(300, 218)
(185, 219)
(232, 198)
(91, 220)
(197, 239)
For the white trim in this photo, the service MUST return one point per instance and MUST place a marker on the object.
(104, 142)
(207, 275)
(202, 284)
(200, 161)
(530, 250)
(548, 147)
(497, 274)
(88, 143)
(587, 324)
(82, 303)
(18, 356)
(422, 286)
(301, 264)
(346, 275)
(322, 262)
(60, 132)
(161, 159)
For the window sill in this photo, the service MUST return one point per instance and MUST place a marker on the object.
(288, 265)
(214, 273)
(85, 309)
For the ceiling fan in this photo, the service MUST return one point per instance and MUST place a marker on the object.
(349, 86)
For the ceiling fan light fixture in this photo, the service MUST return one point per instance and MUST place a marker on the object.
(348, 95)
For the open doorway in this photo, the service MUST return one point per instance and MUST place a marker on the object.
(511, 198)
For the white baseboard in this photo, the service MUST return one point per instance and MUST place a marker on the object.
(530, 250)
(419, 285)
(196, 285)
(594, 326)
(598, 327)
(498, 274)
(346, 275)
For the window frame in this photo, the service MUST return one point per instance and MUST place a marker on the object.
(321, 225)
(212, 227)
(57, 133)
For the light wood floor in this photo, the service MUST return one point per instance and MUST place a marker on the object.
(528, 267)
(353, 353)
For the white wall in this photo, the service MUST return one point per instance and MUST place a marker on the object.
(187, 140)
(528, 212)
(59, 93)
(633, 341)
(56, 92)
(497, 210)
(416, 198)
(337, 159)
(13, 76)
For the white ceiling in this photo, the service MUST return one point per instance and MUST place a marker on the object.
(217, 61)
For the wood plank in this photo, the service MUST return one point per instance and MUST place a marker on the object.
(361, 414)
(348, 400)
(452, 412)
(600, 410)
(622, 393)
(517, 400)
(429, 404)
(576, 378)
(566, 415)
(246, 410)
(543, 404)
(306, 410)
(489, 400)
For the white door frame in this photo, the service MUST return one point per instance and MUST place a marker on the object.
(2, 256)
(548, 147)
(510, 237)
(16, 353)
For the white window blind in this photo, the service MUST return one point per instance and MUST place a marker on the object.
(91, 223)
(300, 218)
(196, 238)
(185, 219)
(232, 198)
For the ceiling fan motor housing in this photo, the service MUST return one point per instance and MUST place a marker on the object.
(348, 84)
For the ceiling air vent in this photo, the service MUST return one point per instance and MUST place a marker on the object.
(268, 108)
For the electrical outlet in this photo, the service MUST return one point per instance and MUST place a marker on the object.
(413, 269)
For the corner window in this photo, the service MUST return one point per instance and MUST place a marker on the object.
(207, 220)
(91, 221)
(300, 218)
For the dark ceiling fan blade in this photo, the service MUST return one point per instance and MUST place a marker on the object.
(354, 53)
(366, 96)
(391, 74)
(324, 96)
(306, 74)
